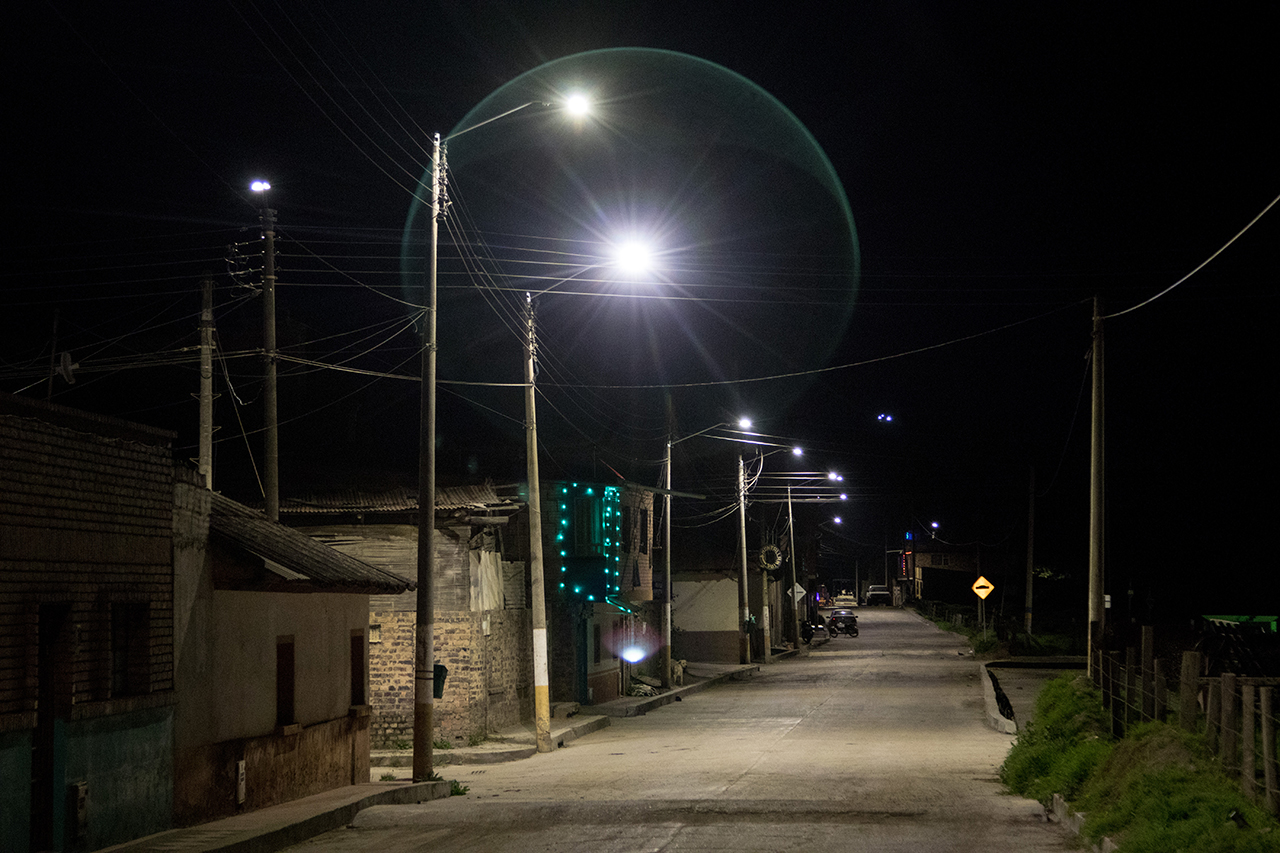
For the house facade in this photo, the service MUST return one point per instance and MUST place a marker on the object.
(166, 654)
(271, 660)
(598, 581)
(481, 616)
(87, 678)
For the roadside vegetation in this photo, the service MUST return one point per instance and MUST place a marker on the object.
(1158, 790)
(1000, 637)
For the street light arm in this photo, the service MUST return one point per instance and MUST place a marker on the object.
(456, 134)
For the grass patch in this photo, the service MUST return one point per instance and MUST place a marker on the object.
(441, 744)
(457, 789)
(1057, 751)
(1158, 790)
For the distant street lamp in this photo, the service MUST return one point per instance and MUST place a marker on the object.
(742, 423)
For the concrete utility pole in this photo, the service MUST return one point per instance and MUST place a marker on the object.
(791, 593)
(766, 651)
(666, 559)
(541, 676)
(744, 608)
(1097, 494)
(271, 423)
(424, 655)
(204, 464)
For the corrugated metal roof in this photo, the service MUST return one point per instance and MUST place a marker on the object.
(392, 500)
(295, 558)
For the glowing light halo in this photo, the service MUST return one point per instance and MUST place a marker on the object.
(638, 110)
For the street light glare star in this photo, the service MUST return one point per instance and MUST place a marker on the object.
(633, 257)
(260, 186)
(577, 104)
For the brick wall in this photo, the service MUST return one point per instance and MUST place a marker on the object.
(489, 686)
(85, 522)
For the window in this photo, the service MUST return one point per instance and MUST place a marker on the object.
(587, 527)
(357, 668)
(284, 681)
(644, 530)
(130, 648)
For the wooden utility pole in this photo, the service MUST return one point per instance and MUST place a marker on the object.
(1031, 550)
(1097, 494)
(204, 464)
(271, 423)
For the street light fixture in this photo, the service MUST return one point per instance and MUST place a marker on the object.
(741, 423)
(424, 641)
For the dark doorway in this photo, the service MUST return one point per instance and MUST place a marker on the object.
(53, 711)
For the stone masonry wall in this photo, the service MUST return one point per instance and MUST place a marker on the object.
(489, 685)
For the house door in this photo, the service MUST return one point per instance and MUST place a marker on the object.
(53, 710)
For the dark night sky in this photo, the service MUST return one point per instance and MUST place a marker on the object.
(1004, 163)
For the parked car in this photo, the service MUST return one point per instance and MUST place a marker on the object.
(843, 621)
(878, 594)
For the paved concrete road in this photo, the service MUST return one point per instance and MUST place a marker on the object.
(868, 744)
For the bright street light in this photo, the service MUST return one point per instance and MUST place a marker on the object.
(577, 104)
(633, 257)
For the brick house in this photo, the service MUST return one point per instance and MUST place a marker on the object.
(598, 573)
(87, 692)
(482, 623)
(154, 635)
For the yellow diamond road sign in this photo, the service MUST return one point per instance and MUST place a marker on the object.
(983, 587)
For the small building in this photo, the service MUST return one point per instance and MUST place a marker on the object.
(481, 618)
(166, 654)
(271, 657)
(87, 679)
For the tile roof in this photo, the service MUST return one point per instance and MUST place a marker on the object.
(392, 500)
(297, 561)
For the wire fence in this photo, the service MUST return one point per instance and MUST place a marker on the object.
(1236, 714)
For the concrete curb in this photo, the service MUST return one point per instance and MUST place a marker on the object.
(637, 706)
(991, 704)
(512, 745)
(1074, 821)
(277, 827)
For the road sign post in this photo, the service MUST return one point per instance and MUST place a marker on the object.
(982, 588)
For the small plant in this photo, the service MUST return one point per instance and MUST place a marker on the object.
(388, 777)
(457, 789)
(401, 744)
(476, 738)
(441, 744)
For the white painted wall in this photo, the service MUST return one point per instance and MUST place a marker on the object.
(704, 605)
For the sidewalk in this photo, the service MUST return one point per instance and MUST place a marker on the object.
(274, 828)
(520, 741)
(277, 827)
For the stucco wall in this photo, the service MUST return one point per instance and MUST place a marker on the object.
(704, 619)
